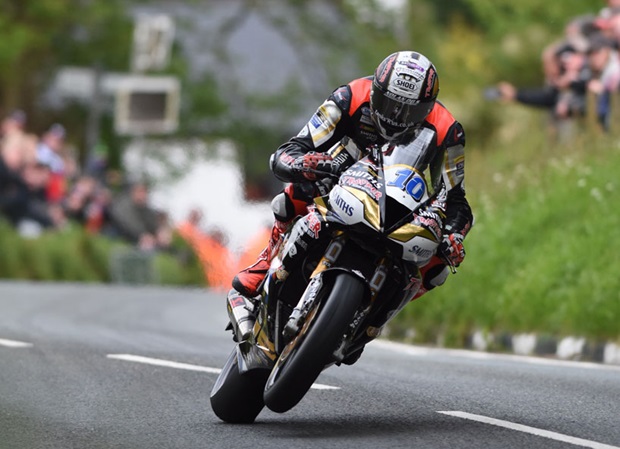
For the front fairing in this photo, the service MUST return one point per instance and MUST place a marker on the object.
(384, 192)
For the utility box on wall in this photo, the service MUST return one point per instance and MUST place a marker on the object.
(146, 105)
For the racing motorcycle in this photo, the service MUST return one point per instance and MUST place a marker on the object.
(343, 271)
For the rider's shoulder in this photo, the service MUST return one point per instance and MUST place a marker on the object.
(444, 124)
(349, 97)
(440, 116)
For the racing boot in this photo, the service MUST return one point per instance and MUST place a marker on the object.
(248, 280)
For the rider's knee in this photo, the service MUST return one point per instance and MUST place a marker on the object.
(282, 207)
(435, 276)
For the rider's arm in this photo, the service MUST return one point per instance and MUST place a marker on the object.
(459, 217)
(325, 129)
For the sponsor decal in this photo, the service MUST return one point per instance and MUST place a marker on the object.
(413, 65)
(313, 288)
(369, 176)
(391, 122)
(387, 68)
(408, 74)
(316, 121)
(431, 82)
(237, 301)
(362, 184)
(401, 99)
(423, 253)
(343, 205)
(341, 158)
(406, 84)
(313, 225)
(431, 222)
(287, 159)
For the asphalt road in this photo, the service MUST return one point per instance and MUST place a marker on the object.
(86, 366)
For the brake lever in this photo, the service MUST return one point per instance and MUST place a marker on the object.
(444, 257)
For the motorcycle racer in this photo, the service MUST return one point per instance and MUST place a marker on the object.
(395, 105)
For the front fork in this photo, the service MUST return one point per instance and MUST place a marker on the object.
(300, 312)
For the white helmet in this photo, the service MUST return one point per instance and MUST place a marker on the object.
(404, 90)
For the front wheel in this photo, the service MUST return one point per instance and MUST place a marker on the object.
(235, 397)
(309, 353)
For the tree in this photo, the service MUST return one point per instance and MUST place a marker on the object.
(40, 35)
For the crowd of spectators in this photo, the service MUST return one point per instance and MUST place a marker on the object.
(42, 187)
(584, 61)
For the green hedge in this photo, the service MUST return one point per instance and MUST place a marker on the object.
(73, 254)
(542, 257)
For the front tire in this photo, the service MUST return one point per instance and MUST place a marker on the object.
(238, 398)
(292, 377)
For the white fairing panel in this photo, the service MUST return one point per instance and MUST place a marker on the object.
(418, 250)
(347, 206)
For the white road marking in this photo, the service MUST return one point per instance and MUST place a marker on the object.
(15, 344)
(324, 387)
(480, 355)
(166, 363)
(187, 366)
(532, 430)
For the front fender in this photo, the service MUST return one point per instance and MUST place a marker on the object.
(329, 275)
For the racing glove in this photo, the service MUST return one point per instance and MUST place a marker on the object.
(315, 165)
(452, 250)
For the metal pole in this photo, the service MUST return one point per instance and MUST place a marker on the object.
(94, 116)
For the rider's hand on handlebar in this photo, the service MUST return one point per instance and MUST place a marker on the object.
(452, 249)
(315, 165)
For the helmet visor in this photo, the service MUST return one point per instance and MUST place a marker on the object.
(398, 114)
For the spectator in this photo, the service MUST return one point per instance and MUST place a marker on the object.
(571, 84)
(50, 152)
(585, 61)
(611, 8)
(77, 201)
(564, 95)
(15, 122)
(132, 218)
(97, 212)
(16, 146)
(23, 201)
(605, 65)
(12, 190)
(576, 35)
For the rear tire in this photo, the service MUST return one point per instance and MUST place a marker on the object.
(238, 398)
(291, 379)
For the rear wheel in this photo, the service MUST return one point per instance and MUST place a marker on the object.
(305, 357)
(236, 397)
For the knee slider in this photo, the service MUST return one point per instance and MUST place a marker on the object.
(282, 207)
(436, 276)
